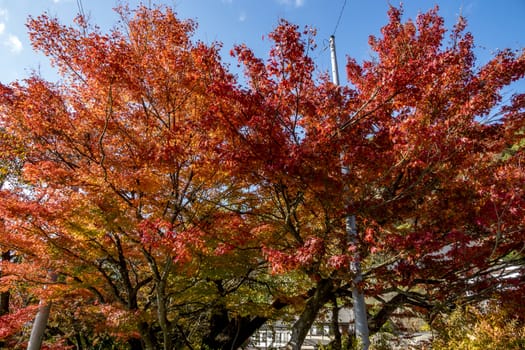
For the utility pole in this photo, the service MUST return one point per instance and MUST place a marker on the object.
(39, 325)
(360, 315)
(333, 56)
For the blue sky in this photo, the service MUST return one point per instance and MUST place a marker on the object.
(494, 24)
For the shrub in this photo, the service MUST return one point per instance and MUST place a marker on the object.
(488, 328)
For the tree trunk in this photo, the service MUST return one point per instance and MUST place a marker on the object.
(135, 344)
(336, 343)
(4, 302)
(147, 339)
(384, 313)
(5, 296)
(300, 329)
(162, 315)
(227, 334)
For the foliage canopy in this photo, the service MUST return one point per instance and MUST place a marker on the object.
(178, 208)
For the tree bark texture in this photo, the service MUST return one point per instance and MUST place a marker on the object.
(322, 295)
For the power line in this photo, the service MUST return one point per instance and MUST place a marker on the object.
(80, 8)
(83, 15)
(339, 18)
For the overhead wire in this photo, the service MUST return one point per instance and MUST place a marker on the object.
(80, 8)
(339, 18)
(82, 15)
(326, 44)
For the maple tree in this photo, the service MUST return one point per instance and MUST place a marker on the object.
(436, 226)
(447, 224)
(177, 208)
(120, 172)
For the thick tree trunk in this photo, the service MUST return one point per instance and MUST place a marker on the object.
(336, 343)
(384, 313)
(147, 338)
(5, 296)
(135, 344)
(322, 295)
(4, 302)
(227, 334)
(162, 315)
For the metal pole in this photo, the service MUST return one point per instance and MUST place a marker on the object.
(335, 70)
(39, 325)
(360, 314)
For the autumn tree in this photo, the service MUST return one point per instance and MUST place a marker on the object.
(437, 195)
(122, 182)
(438, 203)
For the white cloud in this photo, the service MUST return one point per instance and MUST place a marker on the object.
(4, 14)
(296, 3)
(242, 17)
(14, 44)
(468, 9)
